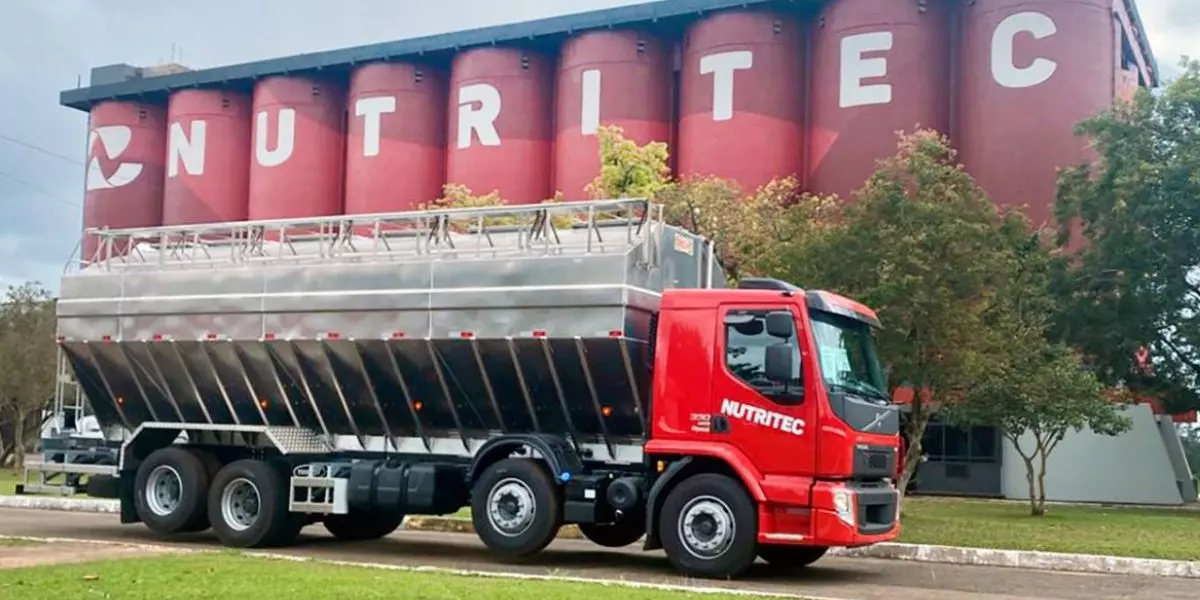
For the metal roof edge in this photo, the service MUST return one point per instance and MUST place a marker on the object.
(82, 98)
(1144, 42)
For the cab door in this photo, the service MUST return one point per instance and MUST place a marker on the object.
(771, 421)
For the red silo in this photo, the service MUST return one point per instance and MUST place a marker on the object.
(208, 157)
(1031, 72)
(500, 130)
(296, 153)
(396, 137)
(124, 179)
(879, 66)
(742, 98)
(618, 78)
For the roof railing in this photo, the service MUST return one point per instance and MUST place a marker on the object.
(545, 228)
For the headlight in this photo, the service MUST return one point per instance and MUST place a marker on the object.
(843, 505)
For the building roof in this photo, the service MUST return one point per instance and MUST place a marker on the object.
(83, 98)
(154, 88)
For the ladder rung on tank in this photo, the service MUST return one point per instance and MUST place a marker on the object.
(552, 228)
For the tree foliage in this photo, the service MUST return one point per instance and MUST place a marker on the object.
(1134, 283)
(1034, 389)
(27, 360)
(926, 248)
(745, 230)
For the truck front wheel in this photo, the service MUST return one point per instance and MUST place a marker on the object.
(709, 527)
(248, 506)
(516, 508)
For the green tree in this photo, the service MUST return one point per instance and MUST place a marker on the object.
(745, 230)
(1034, 389)
(926, 248)
(628, 170)
(27, 359)
(1133, 282)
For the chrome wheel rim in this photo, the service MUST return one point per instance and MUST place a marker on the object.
(511, 507)
(707, 527)
(240, 503)
(164, 490)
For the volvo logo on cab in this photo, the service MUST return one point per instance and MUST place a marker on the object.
(762, 416)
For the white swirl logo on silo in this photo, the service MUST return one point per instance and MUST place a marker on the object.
(115, 140)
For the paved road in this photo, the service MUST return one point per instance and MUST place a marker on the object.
(855, 579)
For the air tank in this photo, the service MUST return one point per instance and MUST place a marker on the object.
(396, 137)
(878, 67)
(618, 78)
(1031, 71)
(742, 98)
(296, 153)
(124, 179)
(500, 132)
(208, 157)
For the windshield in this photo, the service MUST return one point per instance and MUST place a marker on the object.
(848, 357)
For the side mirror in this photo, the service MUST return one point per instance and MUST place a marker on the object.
(780, 324)
(777, 363)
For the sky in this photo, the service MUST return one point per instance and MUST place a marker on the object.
(47, 46)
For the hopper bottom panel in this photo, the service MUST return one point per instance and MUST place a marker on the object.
(590, 388)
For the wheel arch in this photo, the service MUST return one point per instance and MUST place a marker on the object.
(558, 456)
(697, 460)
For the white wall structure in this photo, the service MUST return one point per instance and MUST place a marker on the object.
(1139, 466)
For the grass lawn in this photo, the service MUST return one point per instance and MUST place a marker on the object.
(207, 576)
(8, 482)
(1145, 533)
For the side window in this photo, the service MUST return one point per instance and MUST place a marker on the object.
(746, 341)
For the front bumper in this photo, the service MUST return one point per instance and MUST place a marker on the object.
(844, 514)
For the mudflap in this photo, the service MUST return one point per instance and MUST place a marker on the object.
(125, 481)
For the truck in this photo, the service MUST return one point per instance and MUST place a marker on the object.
(565, 363)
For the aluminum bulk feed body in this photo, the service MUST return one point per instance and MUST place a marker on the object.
(430, 339)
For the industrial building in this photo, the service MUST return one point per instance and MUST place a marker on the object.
(748, 90)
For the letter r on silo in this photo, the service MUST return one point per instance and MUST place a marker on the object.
(478, 108)
(722, 65)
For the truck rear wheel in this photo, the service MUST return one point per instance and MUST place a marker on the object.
(170, 490)
(709, 527)
(790, 558)
(613, 535)
(248, 506)
(360, 526)
(516, 507)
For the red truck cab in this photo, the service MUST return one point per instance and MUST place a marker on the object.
(784, 386)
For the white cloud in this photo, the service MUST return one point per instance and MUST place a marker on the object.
(1173, 27)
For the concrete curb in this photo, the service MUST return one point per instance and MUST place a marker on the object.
(90, 505)
(979, 557)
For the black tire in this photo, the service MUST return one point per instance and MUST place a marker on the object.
(710, 494)
(614, 535)
(791, 558)
(103, 486)
(360, 526)
(530, 479)
(188, 512)
(268, 522)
